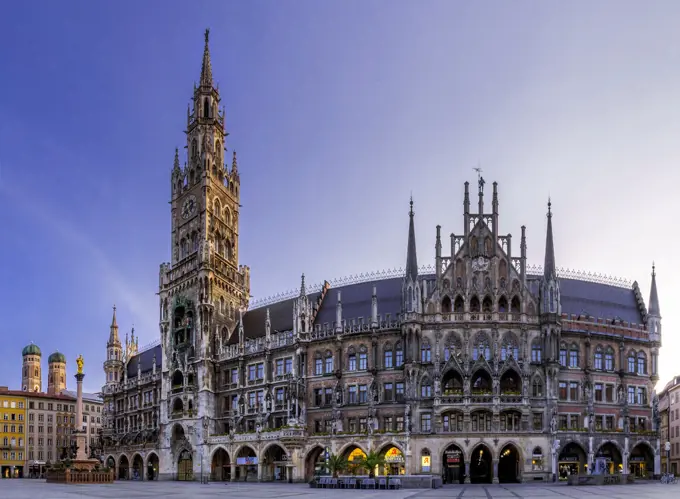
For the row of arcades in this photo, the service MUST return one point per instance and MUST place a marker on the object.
(456, 463)
(608, 458)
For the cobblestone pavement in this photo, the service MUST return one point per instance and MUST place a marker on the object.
(38, 489)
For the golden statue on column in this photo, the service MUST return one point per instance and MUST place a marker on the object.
(80, 363)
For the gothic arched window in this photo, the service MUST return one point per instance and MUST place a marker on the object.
(609, 359)
(536, 351)
(388, 356)
(631, 361)
(426, 389)
(398, 354)
(573, 355)
(598, 357)
(641, 363)
(318, 364)
(563, 355)
(329, 362)
(425, 351)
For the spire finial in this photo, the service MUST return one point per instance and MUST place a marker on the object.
(411, 205)
(234, 163)
(303, 290)
(206, 68)
(654, 308)
(549, 208)
(176, 162)
(411, 260)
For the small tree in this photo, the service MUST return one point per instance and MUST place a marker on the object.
(370, 461)
(335, 464)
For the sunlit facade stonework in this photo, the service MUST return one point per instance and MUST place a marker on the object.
(477, 368)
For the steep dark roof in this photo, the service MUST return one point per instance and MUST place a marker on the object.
(146, 358)
(599, 300)
(356, 300)
(595, 299)
(578, 297)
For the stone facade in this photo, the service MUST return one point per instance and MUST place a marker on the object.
(479, 368)
(669, 407)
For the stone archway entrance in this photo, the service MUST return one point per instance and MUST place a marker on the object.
(246, 464)
(220, 468)
(314, 462)
(453, 465)
(509, 470)
(123, 467)
(641, 461)
(481, 470)
(275, 464)
(111, 463)
(152, 464)
(572, 460)
(185, 466)
(607, 460)
(137, 467)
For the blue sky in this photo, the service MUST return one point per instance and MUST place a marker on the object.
(338, 111)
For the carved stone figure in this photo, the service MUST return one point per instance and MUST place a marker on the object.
(553, 424)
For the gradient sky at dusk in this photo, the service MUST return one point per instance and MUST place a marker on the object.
(338, 111)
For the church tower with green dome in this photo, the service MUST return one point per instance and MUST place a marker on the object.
(56, 373)
(31, 375)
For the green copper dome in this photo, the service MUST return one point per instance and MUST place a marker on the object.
(31, 349)
(56, 357)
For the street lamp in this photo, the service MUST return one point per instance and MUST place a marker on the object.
(668, 457)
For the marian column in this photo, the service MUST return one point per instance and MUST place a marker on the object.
(80, 434)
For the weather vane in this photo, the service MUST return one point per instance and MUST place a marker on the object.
(480, 179)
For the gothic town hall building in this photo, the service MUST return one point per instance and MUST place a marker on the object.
(479, 368)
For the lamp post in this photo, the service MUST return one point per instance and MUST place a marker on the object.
(668, 457)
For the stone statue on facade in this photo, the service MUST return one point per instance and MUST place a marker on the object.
(338, 394)
(656, 417)
(553, 423)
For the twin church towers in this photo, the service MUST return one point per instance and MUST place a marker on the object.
(31, 374)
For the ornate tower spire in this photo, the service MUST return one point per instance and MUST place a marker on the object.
(411, 288)
(113, 334)
(654, 309)
(549, 271)
(411, 258)
(550, 289)
(206, 67)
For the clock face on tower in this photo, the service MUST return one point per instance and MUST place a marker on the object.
(189, 207)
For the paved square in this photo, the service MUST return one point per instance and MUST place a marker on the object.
(39, 489)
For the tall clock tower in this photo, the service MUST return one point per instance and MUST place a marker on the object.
(203, 288)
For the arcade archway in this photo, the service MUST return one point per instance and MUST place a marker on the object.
(453, 465)
(185, 466)
(246, 464)
(111, 463)
(641, 461)
(354, 456)
(509, 470)
(314, 462)
(152, 466)
(137, 467)
(608, 460)
(481, 470)
(123, 467)
(394, 461)
(275, 464)
(572, 460)
(220, 468)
